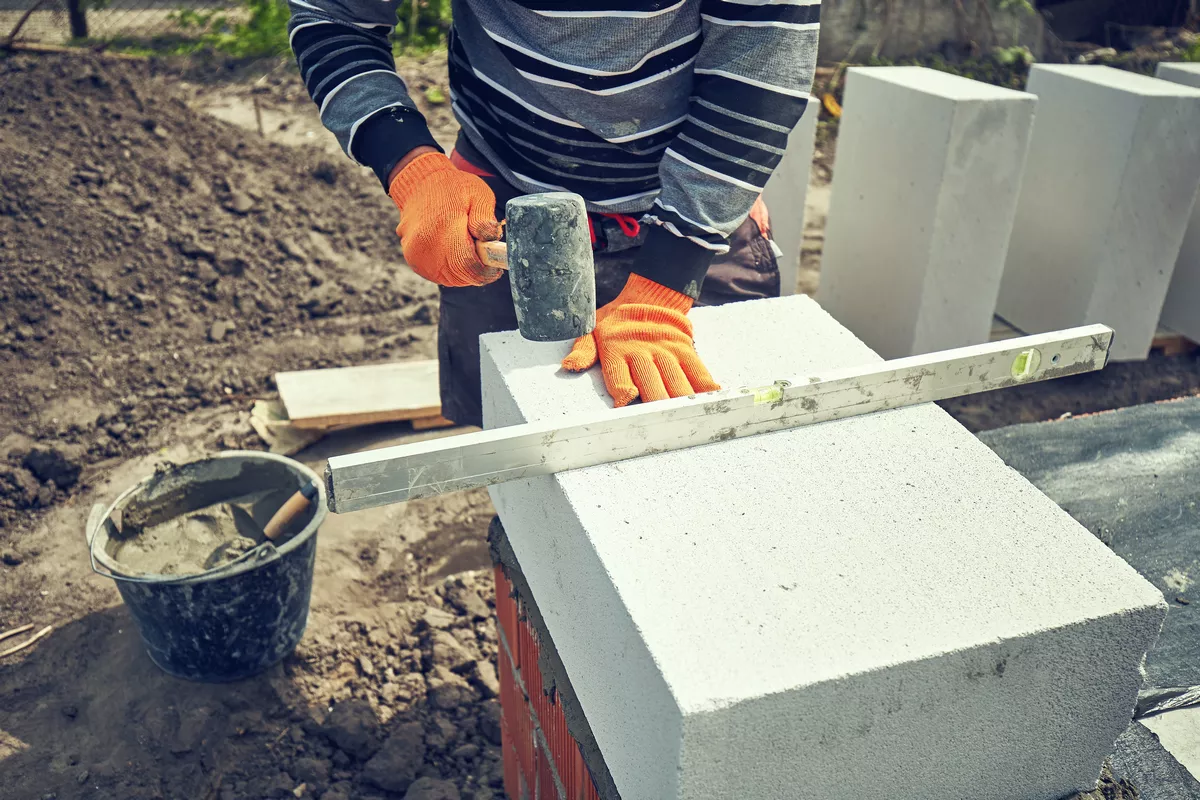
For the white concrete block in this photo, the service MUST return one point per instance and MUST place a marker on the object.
(866, 609)
(1113, 168)
(924, 192)
(786, 193)
(1181, 311)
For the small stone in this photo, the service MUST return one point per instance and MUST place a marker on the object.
(377, 637)
(220, 328)
(353, 728)
(311, 770)
(468, 602)
(484, 674)
(436, 618)
(448, 690)
(431, 789)
(290, 249)
(468, 752)
(227, 264)
(239, 202)
(366, 666)
(448, 652)
(193, 249)
(399, 760)
(207, 274)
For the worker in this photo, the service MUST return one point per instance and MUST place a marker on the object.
(666, 116)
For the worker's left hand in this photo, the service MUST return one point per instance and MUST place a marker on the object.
(643, 341)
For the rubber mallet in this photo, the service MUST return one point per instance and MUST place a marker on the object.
(548, 255)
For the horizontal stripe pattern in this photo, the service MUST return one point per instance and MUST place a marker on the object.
(787, 14)
(678, 109)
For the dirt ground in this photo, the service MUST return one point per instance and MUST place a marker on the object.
(159, 267)
(163, 255)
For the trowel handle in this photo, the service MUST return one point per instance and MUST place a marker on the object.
(295, 505)
(493, 254)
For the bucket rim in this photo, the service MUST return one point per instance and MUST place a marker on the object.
(97, 537)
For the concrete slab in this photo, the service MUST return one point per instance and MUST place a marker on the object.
(924, 194)
(1179, 732)
(1181, 311)
(867, 609)
(786, 193)
(1113, 170)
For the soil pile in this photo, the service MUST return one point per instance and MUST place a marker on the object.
(396, 701)
(156, 260)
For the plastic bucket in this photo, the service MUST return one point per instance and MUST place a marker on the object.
(236, 620)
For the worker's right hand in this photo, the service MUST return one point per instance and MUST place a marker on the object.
(443, 212)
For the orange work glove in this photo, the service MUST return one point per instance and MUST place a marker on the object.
(443, 211)
(643, 341)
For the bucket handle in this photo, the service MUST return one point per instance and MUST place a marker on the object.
(261, 554)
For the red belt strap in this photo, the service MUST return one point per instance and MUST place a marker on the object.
(629, 225)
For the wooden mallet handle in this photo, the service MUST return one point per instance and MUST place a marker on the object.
(493, 254)
(295, 505)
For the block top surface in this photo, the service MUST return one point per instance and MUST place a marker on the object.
(1186, 73)
(759, 565)
(1118, 79)
(942, 84)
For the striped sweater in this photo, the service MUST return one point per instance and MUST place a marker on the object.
(678, 110)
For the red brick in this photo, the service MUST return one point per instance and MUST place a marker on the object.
(529, 768)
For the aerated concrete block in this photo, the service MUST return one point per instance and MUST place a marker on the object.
(786, 193)
(924, 194)
(1113, 169)
(1181, 311)
(865, 609)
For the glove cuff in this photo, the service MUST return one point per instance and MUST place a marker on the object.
(643, 290)
(414, 174)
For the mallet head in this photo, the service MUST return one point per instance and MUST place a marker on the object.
(550, 266)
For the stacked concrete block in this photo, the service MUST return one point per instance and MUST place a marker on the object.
(786, 193)
(866, 609)
(1113, 170)
(924, 193)
(1181, 311)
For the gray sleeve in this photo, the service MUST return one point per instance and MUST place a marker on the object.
(753, 76)
(345, 59)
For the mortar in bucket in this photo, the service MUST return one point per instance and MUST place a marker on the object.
(233, 614)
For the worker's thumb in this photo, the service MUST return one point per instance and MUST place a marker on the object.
(582, 356)
(481, 221)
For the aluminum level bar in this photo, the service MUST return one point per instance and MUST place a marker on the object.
(421, 469)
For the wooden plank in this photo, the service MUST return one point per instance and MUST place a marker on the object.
(320, 399)
(405, 472)
(1170, 343)
(429, 423)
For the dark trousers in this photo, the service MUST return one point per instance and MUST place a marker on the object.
(747, 272)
